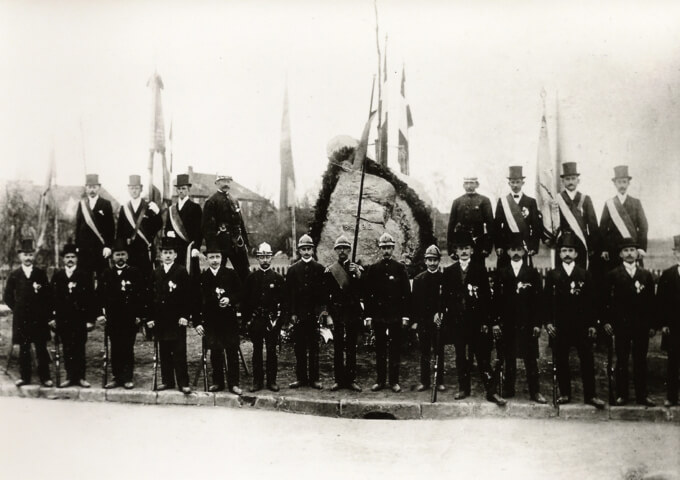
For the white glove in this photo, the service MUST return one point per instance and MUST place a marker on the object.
(154, 208)
(195, 253)
(106, 253)
(642, 253)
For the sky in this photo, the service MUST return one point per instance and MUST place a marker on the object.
(74, 79)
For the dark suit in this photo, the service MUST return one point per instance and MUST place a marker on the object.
(611, 237)
(472, 213)
(531, 228)
(123, 296)
(583, 211)
(426, 303)
(466, 300)
(668, 313)
(31, 303)
(90, 248)
(74, 307)
(517, 304)
(171, 301)
(222, 223)
(304, 285)
(263, 307)
(140, 254)
(190, 215)
(387, 293)
(221, 323)
(569, 300)
(344, 307)
(630, 309)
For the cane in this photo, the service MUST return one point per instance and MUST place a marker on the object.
(155, 363)
(105, 360)
(57, 358)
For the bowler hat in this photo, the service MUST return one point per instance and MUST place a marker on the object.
(626, 243)
(182, 180)
(567, 239)
(27, 246)
(516, 240)
(119, 245)
(135, 181)
(168, 243)
(569, 168)
(462, 238)
(69, 248)
(515, 173)
(92, 179)
(621, 171)
(342, 241)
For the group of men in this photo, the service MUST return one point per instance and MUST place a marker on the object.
(457, 305)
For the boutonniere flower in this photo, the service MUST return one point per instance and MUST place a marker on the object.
(472, 290)
(576, 287)
(170, 234)
(36, 286)
(271, 285)
(638, 286)
(124, 284)
(219, 291)
(391, 277)
(101, 212)
(525, 212)
(171, 285)
(522, 286)
(71, 286)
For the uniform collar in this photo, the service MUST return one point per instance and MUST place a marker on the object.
(307, 260)
(265, 269)
(120, 270)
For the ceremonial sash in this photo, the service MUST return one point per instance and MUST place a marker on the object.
(621, 219)
(87, 215)
(571, 219)
(136, 225)
(340, 275)
(178, 224)
(513, 215)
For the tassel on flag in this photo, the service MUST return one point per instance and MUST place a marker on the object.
(405, 122)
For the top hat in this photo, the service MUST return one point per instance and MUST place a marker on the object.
(386, 240)
(69, 248)
(568, 239)
(433, 252)
(515, 173)
(305, 241)
(182, 180)
(92, 179)
(212, 247)
(676, 242)
(627, 242)
(342, 241)
(168, 243)
(119, 245)
(27, 246)
(569, 168)
(516, 240)
(135, 181)
(221, 176)
(462, 239)
(621, 171)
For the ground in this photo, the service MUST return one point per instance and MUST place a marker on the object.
(109, 441)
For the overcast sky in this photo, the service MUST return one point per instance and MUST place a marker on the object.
(475, 71)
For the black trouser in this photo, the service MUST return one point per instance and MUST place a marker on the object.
(306, 338)
(237, 255)
(261, 334)
(122, 355)
(585, 356)
(509, 346)
(387, 330)
(427, 335)
(73, 344)
(673, 362)
(25, 362)
(625, 341)
(469, 344)
(345, 332)
(173, 357)
(217, 355)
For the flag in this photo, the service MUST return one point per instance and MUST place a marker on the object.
(46, 202)
(362, 148)
(287, 192)
(405, 122)
(159, 174)
(383, 131)
(546, 184)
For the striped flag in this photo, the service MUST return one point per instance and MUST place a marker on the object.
(547, 177)
(405, 122)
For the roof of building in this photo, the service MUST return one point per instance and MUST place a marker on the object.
(203, 185)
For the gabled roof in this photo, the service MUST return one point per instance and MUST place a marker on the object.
(203, 185)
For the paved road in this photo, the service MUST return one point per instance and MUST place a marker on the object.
(62, 439)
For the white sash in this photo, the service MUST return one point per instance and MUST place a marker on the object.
(87, 215)
(136, 225)
(512, 224)
(616, 218)
(571, 220)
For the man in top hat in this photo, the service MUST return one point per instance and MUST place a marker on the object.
(387, 294)
(466, 297)
(518, 312)
(668, 306)
(222, 223)
(138, 223)
(629, 312)
(27, 294)
(472, 213)
(170, 314)
(123, 296)
(622, 217)
(342, 294)
(184, 225)
(426, 313)
(221, 291)
(571, 319)
(516, 213)
(306, 302)
(75, 312)
(263, 308)
(94, 228)
(577, 215)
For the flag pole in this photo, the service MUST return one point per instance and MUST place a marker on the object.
(378, 148)
(294, 232)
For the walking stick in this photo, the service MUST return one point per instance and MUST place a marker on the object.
(57, 358)
(105, 360)
(155, 363)
(243, 361)
(610, 370)
(554, 376)
(437, 336)
(500, 364)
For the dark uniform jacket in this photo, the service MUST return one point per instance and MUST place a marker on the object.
(585, 216)
(466, 301)
(222, 220)
(123, 297)
(387, 291)
(630, 301)
(304, 286)
(219, 323)
(518, 306)
(87, 241)
(263, 296)
(342, 300)
(569, 302)
(472, 213)
(426, 298)
(533, 224)
(611, 237)
(74, 302)
(668, 303)
(190, 215)
(171, 301)
(31, 303)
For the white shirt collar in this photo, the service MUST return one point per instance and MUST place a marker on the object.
(69, 271)
(266, 269)
(569, 267)
(464, 264)
(571, 194)
(214, 270)
(306, 260)
(181, 202)
(630, 268)
(518, 197)
(622, 198)
(135, 202)
(92, 201)
(516, 266)
(167, 267)
(27, 270)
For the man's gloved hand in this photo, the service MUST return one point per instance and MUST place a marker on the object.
(550, 328)
(368, 321)
(497, 332)
(537, 332)
(608, 329)
(200, 330)
(106, 252)
(154, 208)
(52, 324)
(150, 323)
(404, 321)
(183, 322)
